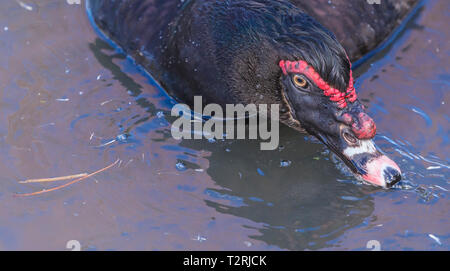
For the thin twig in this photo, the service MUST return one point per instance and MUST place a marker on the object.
(106, 144)
(67, 184)
(63, 178)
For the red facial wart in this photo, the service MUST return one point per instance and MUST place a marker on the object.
(363, 127)
(335, 95)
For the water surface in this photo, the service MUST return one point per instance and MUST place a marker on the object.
(69, 103)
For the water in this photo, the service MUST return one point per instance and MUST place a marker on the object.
(70, 104)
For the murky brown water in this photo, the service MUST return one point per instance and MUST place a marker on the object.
(70, 104)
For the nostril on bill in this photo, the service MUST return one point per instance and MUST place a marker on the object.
(391, 176)
(349, 137)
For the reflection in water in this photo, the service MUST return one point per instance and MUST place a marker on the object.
(300, 206)
(69, 103)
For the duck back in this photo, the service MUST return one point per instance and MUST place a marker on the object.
(358, 25)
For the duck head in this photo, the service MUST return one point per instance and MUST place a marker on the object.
(266, 52)
(338, 119)
(317, 86)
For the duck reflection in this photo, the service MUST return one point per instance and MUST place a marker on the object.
(292, 192)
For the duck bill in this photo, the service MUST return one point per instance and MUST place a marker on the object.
(382, 171)
(365, 161)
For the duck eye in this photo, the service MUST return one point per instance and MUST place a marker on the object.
(299, 81)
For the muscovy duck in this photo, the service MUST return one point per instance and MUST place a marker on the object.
(265, 52)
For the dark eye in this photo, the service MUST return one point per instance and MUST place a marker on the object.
(300, 81)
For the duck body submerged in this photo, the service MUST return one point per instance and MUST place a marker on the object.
(263, 52)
